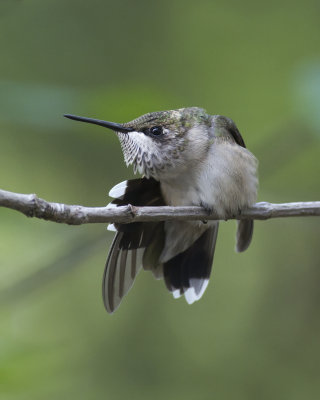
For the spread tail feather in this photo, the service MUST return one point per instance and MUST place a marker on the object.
(141, 244)
(188, 273)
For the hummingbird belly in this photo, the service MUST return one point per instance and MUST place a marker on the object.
(225, 183)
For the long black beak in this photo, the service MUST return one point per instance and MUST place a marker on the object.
(106, 124)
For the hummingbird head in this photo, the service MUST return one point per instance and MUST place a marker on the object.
(162, 144)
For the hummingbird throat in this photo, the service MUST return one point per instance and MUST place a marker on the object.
(145, 155)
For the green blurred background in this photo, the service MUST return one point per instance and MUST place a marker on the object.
(256, 332)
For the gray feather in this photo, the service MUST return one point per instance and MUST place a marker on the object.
(121, 269)
(244, 234)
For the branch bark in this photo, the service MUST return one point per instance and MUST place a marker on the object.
(33, 206)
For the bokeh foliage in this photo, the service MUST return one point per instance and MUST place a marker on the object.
(255, 334)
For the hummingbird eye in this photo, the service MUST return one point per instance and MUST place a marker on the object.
(156, 130)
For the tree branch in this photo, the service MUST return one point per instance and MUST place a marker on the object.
(33, 206)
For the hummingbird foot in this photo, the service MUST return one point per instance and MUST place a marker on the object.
(208, 209)
(232, 214)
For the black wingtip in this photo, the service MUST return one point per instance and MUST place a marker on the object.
(244, 235)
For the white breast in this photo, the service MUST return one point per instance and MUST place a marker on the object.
(226, 181)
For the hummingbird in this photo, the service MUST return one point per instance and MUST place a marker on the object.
(186, 158)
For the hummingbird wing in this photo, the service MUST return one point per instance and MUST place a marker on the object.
(123, 264)
(244, 234)
(118, 279)
(245, 226)
(188, 272)
(125, 257)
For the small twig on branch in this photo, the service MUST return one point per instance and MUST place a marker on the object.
(33, 206)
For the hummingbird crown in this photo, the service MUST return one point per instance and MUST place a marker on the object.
(158, 142)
